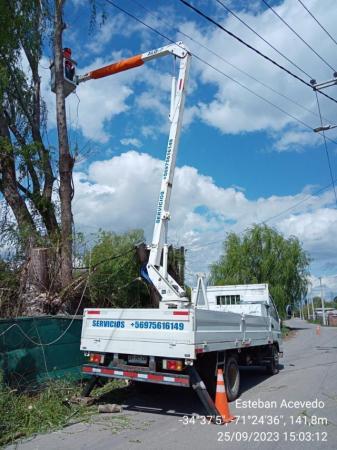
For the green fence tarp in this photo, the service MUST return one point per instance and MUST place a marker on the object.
(23, 362)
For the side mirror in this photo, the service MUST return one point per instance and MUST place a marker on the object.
(289, 311)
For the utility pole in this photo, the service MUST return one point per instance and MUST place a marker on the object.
(322, 300)
(313, 309)
(308, 311)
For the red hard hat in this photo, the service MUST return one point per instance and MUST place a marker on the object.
(67, 52)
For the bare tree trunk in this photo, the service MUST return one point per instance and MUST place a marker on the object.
(8, 181)
(36, 282)
(38, 269)
(66, 161)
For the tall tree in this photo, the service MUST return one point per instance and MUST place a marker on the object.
(26, 172)
(262, 255)
(66, 161)
(28, 168)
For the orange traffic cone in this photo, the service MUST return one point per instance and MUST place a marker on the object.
(318, 330)
(221, 402)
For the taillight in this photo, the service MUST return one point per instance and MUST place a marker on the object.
(96, 358)
(172, 364)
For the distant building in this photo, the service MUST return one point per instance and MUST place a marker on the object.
(330, 314)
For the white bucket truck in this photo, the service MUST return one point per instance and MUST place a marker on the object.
(184, 341)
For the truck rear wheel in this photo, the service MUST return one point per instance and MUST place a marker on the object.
(232, 378)
(273, 366)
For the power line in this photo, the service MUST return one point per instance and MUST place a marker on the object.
(265, 85)
(317, 21)
(263, 39)
(217, 70)
(296, 34)
(326, 148)
(289, 72)
(298, 203)
(227, 76)
(275, 216)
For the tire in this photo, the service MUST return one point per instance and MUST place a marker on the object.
(273, 367)
(232, 378)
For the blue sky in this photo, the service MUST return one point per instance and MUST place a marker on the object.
(241, 161)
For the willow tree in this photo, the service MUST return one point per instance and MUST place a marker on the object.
(28, 166)
(26, 169)
(263, 255)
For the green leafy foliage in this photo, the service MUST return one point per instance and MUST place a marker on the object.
(114, 266)
(262, 255)
(9, 289)
(9, 276)
(328, 304)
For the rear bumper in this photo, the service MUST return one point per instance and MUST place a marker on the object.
(137, 375)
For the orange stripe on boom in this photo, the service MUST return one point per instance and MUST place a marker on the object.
(119, 66)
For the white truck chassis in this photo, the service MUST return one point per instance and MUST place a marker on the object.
(172, 333)
(135, 343)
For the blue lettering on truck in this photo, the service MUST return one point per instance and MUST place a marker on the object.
(179, 326)
(108, 323)
(143, 324)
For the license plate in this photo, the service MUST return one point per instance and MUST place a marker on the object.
(137, 359)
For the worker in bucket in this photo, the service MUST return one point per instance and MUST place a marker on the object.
(69, 68)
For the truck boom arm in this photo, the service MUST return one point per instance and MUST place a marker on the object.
(135, 61)
(169, 290)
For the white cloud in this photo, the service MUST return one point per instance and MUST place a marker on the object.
(134, 142)
(97, 101)
(329, 286)
(121, 193)
(226, 106)
(116, 25)
(296, 140)
(316, 229)
(116, 194)
(234, 110)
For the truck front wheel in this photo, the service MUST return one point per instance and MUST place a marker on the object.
(273, 366)
(232, 378)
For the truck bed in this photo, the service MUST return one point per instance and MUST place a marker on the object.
(179, 333)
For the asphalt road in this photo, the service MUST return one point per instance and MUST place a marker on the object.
(165, 419)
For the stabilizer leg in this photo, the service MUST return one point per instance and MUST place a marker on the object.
(89, 386)
(199, 387)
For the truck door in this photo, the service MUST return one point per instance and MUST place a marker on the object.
(275, 320)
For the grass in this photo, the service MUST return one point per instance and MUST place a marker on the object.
(26, 414)
(285, 331)
(315, 322)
